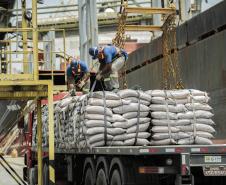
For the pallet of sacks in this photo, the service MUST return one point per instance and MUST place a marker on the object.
(180, 117)
(131, 118)
(111, 119)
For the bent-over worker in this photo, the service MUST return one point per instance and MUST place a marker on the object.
(78, 76)
(111, 60)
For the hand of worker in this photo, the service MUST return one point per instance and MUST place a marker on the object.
(98, 77)
(81, 84)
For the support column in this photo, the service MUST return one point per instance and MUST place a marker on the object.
(35, 39)
(51, 136)
(39, 126)
(24, 35)
(156, 17)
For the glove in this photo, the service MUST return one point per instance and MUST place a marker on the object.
(98, 77)
(81, 84)
(72, 92)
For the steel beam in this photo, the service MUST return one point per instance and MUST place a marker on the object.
(21, 95)
(16, 76)
(142, 10)
(5, 30)
(143, 28)
(39, 146)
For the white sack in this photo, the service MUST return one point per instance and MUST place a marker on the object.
(120, 124)
(164, 129)
(170, 101)
(130, 115)
(109, 103)
(99, 137)
(136, 100)
(195, 114)
(198, 106)
(165, 122)
(108, 95)
(175, 136)
(99, 130)
(170, 108)
(139, 142)
(142, 128)
(197, 127)
(133, 107)
(97, 123)
(143, 135)
(164, 115)
(132, 122)
(98, 110)
(163, 142)
(97, 117)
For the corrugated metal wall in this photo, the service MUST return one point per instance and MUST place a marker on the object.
(202, 57)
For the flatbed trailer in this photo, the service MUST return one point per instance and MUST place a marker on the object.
(139, 165)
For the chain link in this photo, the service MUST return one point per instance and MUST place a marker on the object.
(120, 37)
(171, 69)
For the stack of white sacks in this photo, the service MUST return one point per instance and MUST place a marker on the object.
(130, 117)
(180, 117)
(136, 114)
(95, 122)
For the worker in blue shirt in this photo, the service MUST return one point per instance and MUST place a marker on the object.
(78, 76)
(111, 60)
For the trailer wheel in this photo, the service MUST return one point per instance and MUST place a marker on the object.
(32, 177)
(46, 175)
(116, 178)
(89, 179)
(101, 178)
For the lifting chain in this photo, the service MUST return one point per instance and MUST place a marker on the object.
(120, 37)
(171, 70)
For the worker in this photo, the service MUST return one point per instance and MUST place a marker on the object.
(78, 76)
(111, 60)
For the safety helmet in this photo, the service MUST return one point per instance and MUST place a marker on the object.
(93, 52)
(74, 63)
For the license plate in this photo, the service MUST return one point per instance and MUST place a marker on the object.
(212, 159)
(214, 171)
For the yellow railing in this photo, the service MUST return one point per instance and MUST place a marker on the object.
(17, 54)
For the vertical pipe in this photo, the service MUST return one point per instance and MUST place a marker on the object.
(51, 135)
(65, 65)
(156, 17)
(35, 38)
(24, 36)
(10, 57)
(39, 126)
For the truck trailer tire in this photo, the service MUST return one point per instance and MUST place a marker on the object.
(89, 178)
(45, 174)
(32, 176)
(101, 178)
(116, 178)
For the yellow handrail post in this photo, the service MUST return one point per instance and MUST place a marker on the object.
(51, 135)
(24, 36)
(39, 126)
(35, 38)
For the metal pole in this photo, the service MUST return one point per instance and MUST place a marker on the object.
(39, 128)
(184, 10)
(156, 18)
(51, 136)
(65, 64)
(35, 38)
(24, 35)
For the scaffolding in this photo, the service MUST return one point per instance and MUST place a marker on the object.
(27, 85)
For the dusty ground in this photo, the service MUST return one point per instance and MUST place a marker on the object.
(17, 164)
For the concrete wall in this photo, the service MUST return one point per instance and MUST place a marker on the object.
(202, 57)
